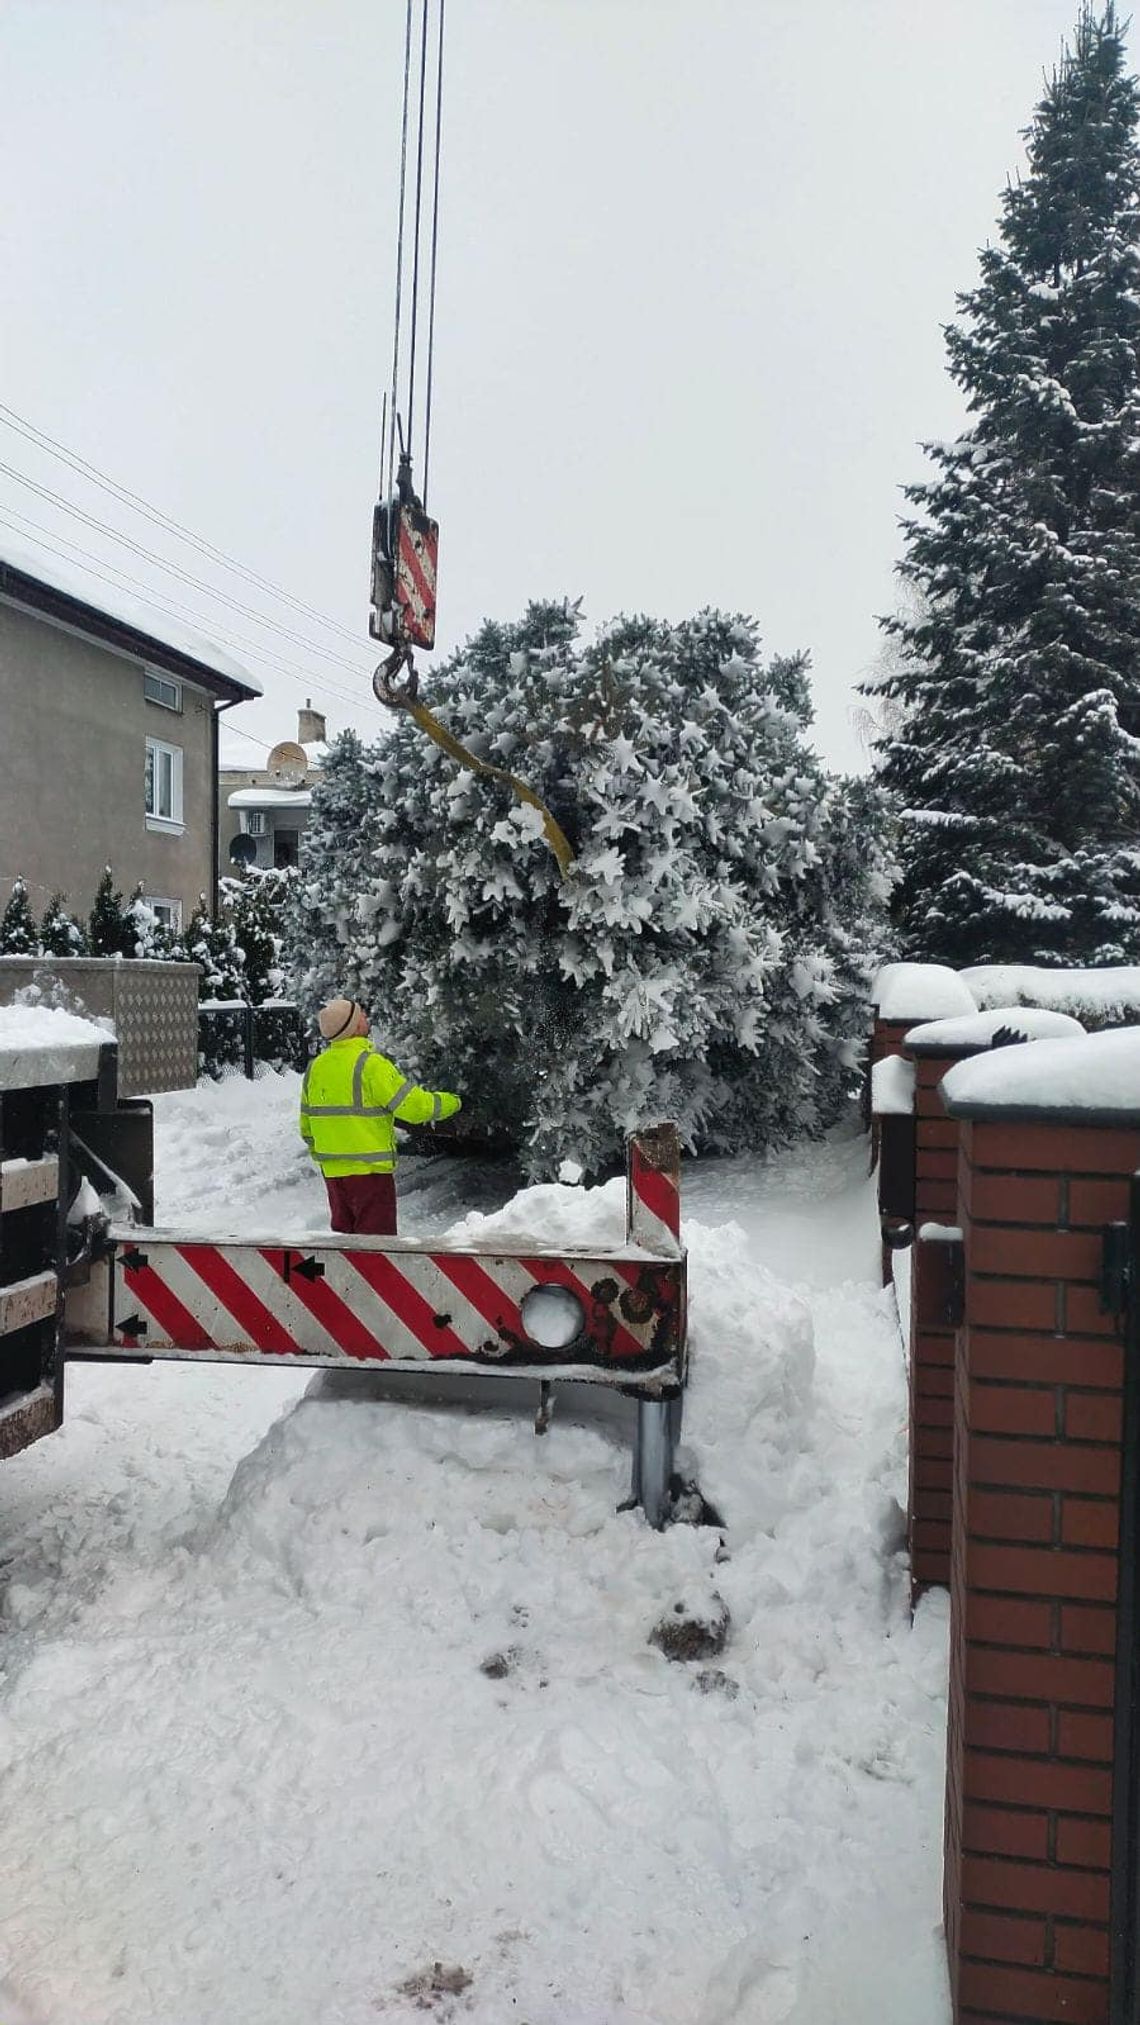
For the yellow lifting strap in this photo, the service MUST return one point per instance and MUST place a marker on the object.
(406, 699)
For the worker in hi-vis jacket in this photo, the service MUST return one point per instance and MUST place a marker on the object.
(350, 1100)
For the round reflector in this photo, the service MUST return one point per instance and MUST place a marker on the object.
(552, 1317)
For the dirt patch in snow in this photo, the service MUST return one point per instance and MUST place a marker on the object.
(430, 1988)
(689, 1634)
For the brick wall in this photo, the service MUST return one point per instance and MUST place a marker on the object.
(1037, 1419)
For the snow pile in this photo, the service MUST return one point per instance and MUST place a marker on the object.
(892, 1087)
(920, 991)
(1095, 1074)
(1098, 998)
(392, 1701)
(553, 1216)
(977, 1030)
(43, 1044)
(24, 1026)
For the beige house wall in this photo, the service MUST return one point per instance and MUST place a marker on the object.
(73, 729)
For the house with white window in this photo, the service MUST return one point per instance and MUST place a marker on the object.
(264, 810)
(109, 716)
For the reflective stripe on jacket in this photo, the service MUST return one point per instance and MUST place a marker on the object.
(350, 1100)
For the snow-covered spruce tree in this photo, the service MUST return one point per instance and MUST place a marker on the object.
(60, 932)
(214, 946)
(112, 930)
(18, 935)
(706, 958)
(1017, 767)
(254, 905)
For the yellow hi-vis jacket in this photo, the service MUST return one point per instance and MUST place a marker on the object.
(350, 1100)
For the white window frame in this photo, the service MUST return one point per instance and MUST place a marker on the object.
(171, 908)
(166, 771)
(161, 681)
(255, 822)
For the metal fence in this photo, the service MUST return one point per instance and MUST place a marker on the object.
(235, 1038)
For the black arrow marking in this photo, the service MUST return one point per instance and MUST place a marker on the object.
(134, 1260)
(133, 1326)
(305, 1269)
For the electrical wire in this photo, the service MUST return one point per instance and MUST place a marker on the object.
(96, 566)
(42, 441)
(184, 576)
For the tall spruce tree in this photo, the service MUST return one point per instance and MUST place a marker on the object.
(1017, 764)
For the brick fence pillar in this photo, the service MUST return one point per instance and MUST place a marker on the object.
(1034, 1577)
(933, 1319)
(936, 1284)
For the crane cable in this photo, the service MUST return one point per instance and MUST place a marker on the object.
(406, 697)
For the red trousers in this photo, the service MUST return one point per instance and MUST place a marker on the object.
(364, 1204)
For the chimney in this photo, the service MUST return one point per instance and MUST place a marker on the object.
(310, 725)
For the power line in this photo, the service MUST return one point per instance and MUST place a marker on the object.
(263, 743)
(23, 427)
(97, 566)
(175, 570)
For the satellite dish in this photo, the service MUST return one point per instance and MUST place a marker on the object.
(288, 765)
(243, 849)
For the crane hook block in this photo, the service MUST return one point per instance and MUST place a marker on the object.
(385, 687)
(405, 556)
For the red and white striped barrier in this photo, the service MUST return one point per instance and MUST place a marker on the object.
(349, 1300)
(614, 1318)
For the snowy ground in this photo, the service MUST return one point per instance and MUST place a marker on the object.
(300, 1698)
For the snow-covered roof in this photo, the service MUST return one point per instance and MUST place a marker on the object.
(42, 1044)
(920, 991)
(1113, 993)
(1090, 1079)
(975, 1031)
(101, 599)
(270, 798)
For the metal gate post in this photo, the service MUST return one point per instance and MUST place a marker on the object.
(653, 1462)
(1124, 1913)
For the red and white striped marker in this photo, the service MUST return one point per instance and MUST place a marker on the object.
(653, 1191)
(417, 563)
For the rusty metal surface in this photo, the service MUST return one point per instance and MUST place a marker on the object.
(26, 1301)
(660, 1148)
(25, 1419)
(23, 1183)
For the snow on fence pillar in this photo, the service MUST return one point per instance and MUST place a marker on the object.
(904, 994)
(936, 1288)
(1041, 1857)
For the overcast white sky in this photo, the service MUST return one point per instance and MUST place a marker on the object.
(695, 259)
